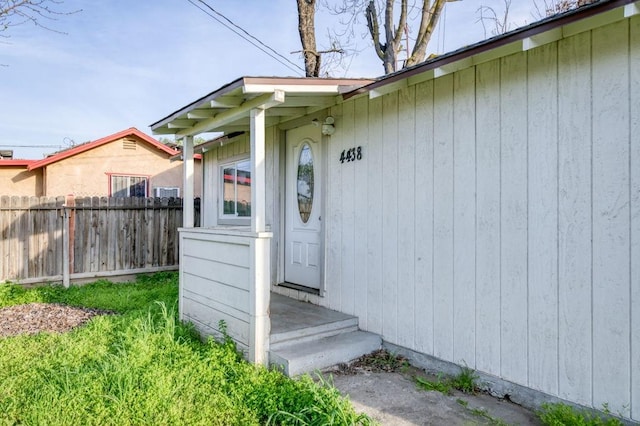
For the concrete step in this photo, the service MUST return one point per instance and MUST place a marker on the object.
(314, 332)
(304, 357)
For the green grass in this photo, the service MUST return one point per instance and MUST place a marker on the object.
(562, 414)
(143, 366)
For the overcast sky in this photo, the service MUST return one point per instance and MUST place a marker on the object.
(124, 63)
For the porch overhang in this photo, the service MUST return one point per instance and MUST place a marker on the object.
(248, 104)
(228, 108)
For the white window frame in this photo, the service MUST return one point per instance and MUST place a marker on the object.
(169, 188)
(230, 219)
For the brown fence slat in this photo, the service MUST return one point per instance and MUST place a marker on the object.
(110, 234)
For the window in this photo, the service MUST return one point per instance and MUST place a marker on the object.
(129, 186)
(166, 192)
(236, 189)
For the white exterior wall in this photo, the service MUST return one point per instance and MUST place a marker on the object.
(237, 148)
(220, 275)
(494, 219)
(204, 301)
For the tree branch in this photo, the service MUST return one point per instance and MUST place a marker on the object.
(374, 29)
(18, 12)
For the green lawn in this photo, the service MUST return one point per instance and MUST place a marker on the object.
(142, 366)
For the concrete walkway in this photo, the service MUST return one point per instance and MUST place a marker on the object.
(392, 398)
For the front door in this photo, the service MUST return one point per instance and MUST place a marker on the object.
(303, 214)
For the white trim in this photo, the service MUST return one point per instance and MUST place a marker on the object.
(188, 188)
(231, 219)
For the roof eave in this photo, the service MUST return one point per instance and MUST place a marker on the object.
(227, 108)
(521, 39)
(132, 131)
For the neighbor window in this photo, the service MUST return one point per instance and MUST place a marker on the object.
(166, 192)
(129, 186)
(236, 189)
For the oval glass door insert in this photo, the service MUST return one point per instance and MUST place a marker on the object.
(305, 182)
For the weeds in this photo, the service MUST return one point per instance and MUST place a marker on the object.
(145, 367)
(562, 414)
(381, 360)
(465, 382)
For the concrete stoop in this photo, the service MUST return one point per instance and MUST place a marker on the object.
(322, 350)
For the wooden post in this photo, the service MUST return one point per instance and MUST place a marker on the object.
(71, 205)
(260, 323)
(258, 171)
(259, 291)
(187, 192)
(65, 242)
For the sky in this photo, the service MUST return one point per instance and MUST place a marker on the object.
(116, 64)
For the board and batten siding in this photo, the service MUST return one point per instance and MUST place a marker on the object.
(494, 219)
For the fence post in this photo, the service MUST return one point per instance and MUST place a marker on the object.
(67, 239)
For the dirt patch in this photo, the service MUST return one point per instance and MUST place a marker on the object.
(35, 318)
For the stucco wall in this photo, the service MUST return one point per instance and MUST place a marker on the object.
(87, 173)
(19, 181)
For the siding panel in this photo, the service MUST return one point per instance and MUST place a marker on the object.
(443, 218)
(424, 218)
(390, 213)
(347, 289)
(406, 218)
(611, 378)
(374, 160)
(543, 218)
(235, 276)
(464, 210)
(234, 297)
(333, 224)
(574, 220)
(361, 217)
(635, 215)
(514, 217)
(488, 217)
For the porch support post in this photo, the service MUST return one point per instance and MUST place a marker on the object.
(259, 287)
(258, 171)
(187, 190)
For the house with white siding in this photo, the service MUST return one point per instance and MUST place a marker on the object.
(479, 209)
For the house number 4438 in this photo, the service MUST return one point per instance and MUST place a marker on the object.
(351, 154)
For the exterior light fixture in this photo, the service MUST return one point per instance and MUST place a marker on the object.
(327, 127)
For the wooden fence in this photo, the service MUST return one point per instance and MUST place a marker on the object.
(58, 239)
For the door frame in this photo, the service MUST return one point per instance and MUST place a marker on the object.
(282, 185)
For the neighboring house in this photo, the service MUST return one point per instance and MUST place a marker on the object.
(125, 164)
(479, 209)
(17, 179)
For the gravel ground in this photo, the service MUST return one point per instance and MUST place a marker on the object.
(34, 318)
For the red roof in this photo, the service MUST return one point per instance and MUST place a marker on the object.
(94, 144)
(16, 163)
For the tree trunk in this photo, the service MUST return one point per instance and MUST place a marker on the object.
(430, 18)
(306, 28)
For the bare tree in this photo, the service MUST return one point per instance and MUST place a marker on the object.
(388, 47)
(553, 7)
(306, 28)
(500, 22)
(390, 31)
(38, 12)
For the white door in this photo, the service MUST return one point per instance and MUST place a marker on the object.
(303, 214)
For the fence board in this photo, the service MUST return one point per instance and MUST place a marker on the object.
(110, 235)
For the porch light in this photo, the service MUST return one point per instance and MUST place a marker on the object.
(327, 127)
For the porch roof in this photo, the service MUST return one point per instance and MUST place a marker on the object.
(228, 108)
